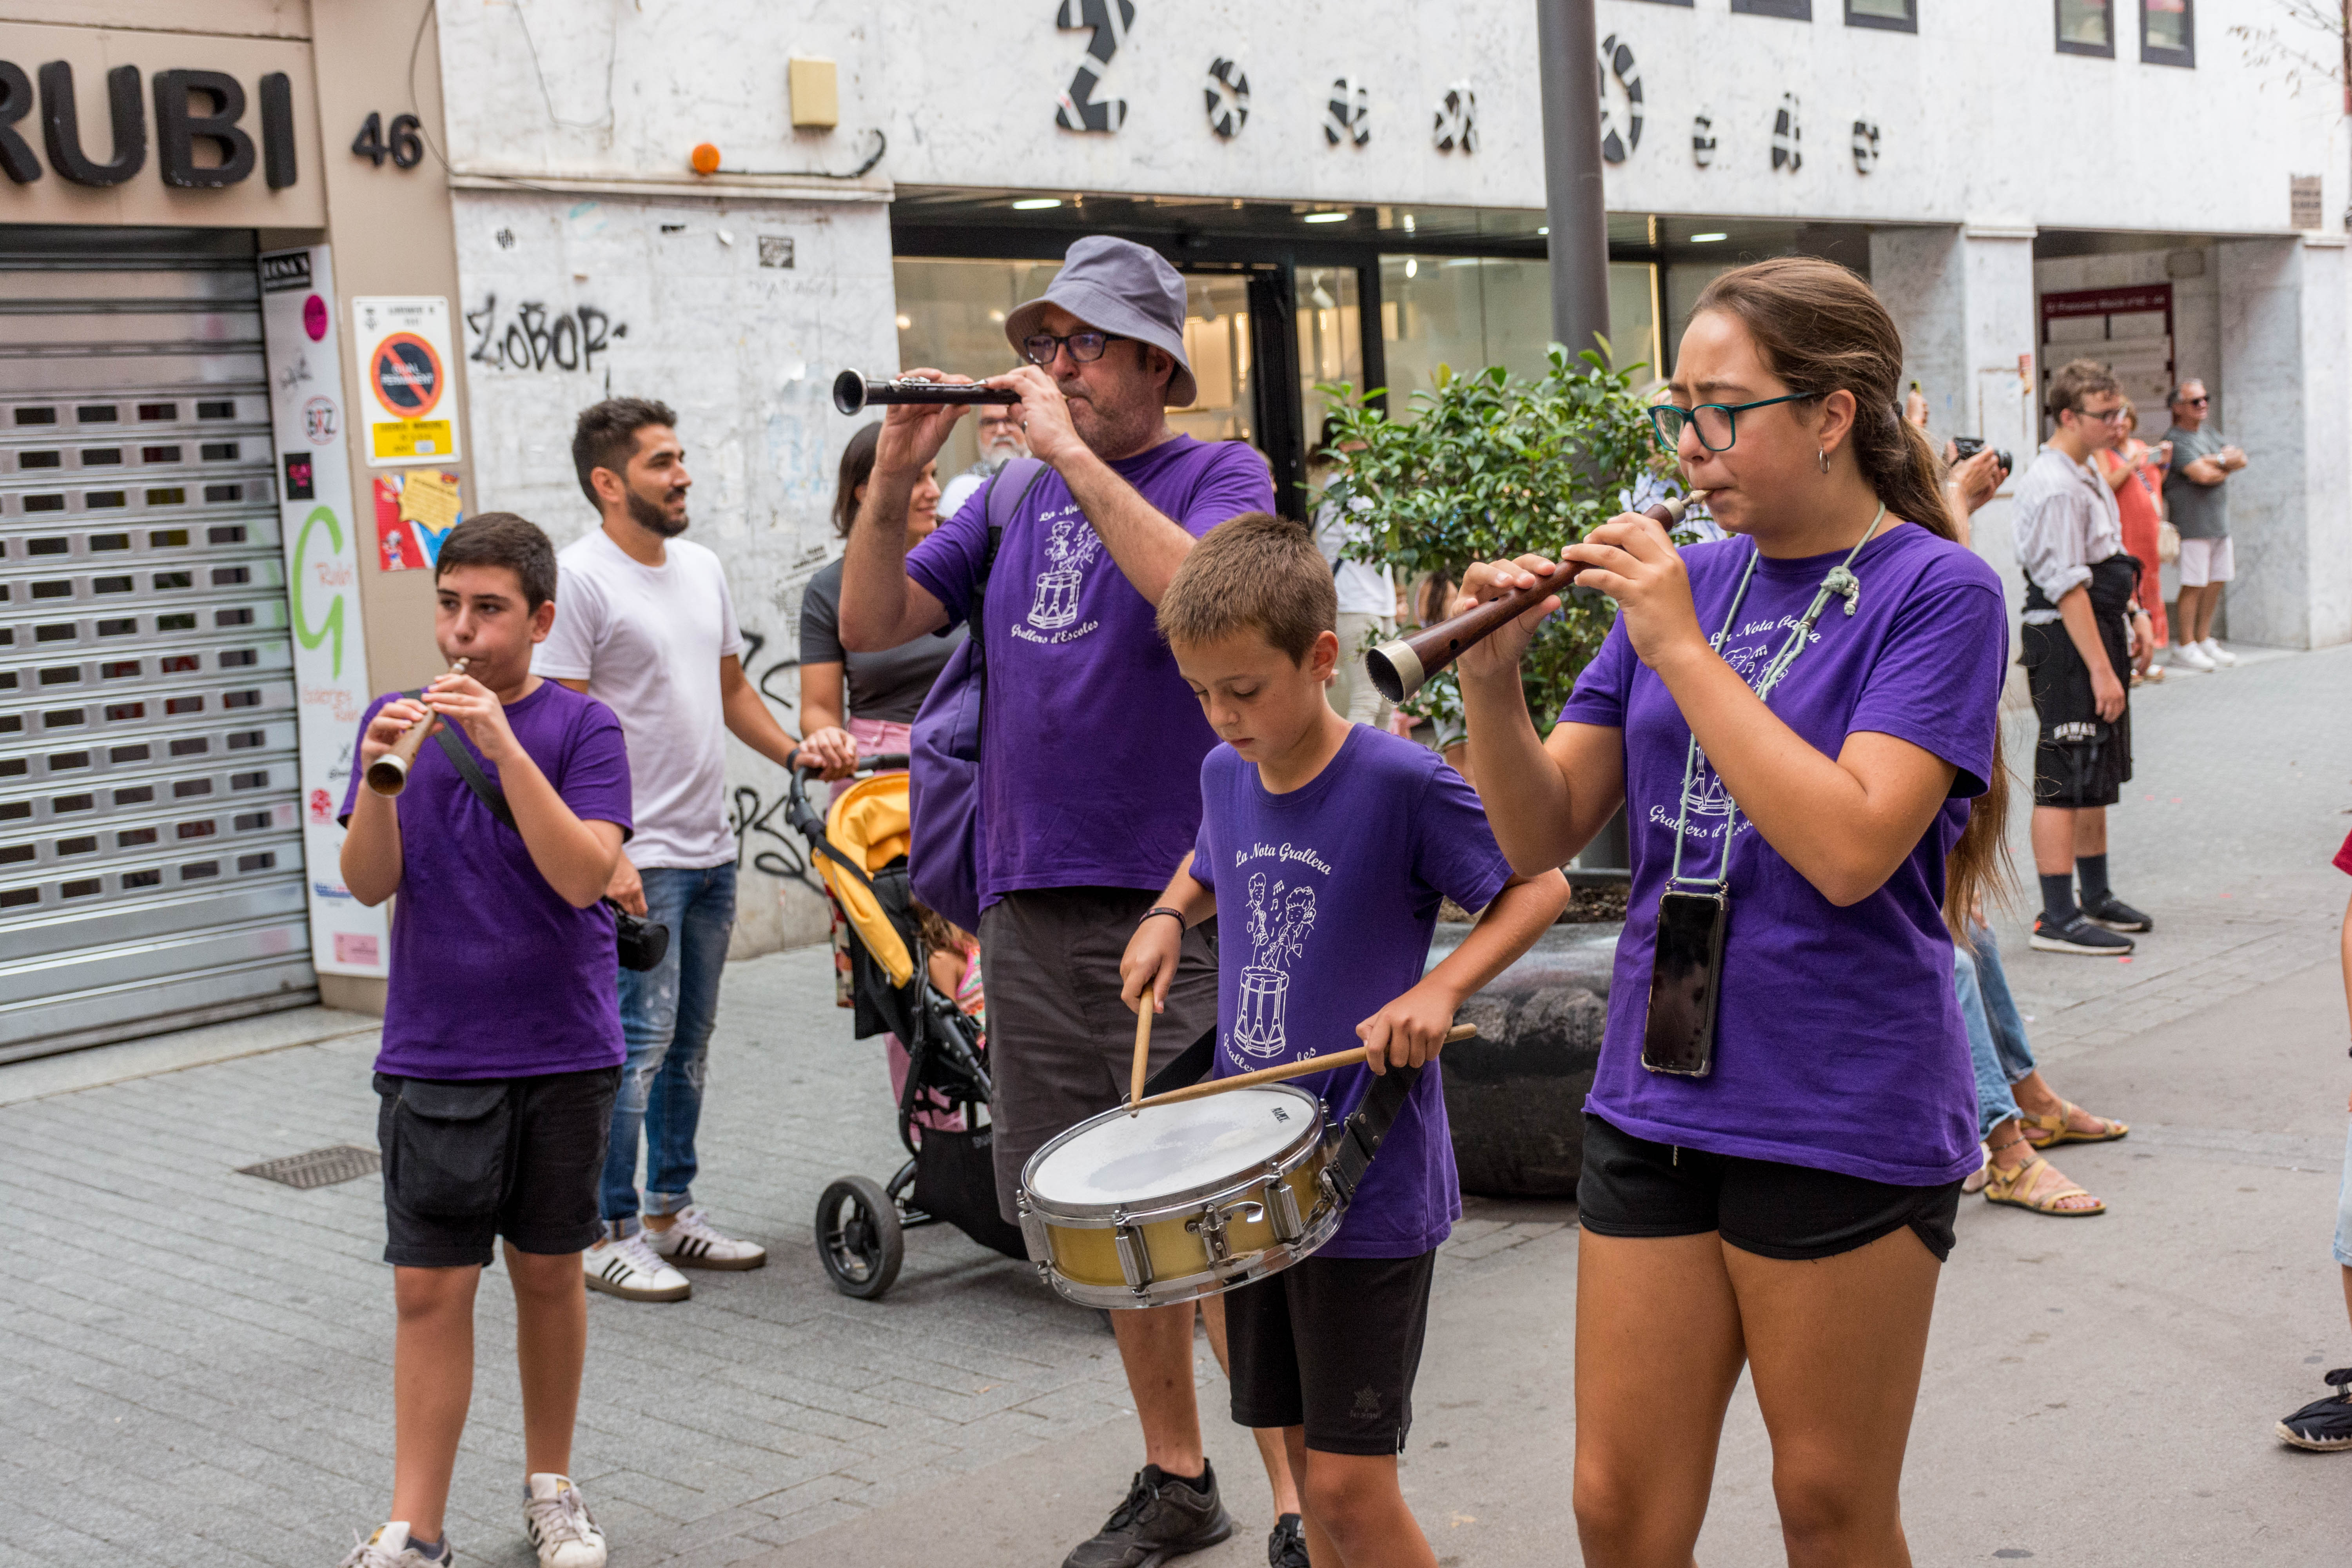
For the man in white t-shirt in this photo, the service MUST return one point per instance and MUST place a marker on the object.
(998, 432)
(643, 624)
(1367, 593)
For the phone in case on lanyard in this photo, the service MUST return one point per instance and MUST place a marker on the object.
(1684, 978)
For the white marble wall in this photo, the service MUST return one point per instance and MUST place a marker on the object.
(744, 353)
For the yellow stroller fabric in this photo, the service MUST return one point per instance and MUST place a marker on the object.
(869, 825)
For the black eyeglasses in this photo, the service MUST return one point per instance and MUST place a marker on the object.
(2104, 415)
(1717, 423)
(1041, 348)
(2197, 402)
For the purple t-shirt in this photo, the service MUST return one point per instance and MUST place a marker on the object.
(1090, 741)
(1837, 1042)
(493, 974)
(1327, 898)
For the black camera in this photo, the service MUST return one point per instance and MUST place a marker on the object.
(1967, 446)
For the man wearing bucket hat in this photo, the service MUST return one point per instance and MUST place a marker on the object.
(1090, 752)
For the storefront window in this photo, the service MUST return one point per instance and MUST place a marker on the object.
(1895, 15)
(1467, 313)
(2167, 33)
(2086, 27)
(1217, 341)
(1331, 341)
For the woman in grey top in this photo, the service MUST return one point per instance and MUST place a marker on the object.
(886, 689)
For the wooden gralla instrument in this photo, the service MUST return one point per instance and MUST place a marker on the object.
(1399, 667)
(388, 774)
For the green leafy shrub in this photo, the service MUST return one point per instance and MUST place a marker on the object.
(1490, 465)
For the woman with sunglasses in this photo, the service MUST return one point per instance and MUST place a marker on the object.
(1800, 720)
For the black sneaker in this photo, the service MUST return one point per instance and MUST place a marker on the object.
(2323, 1425)
(1287, 1547)
(1162, 1518)
(2116, 915)
(2077, 935)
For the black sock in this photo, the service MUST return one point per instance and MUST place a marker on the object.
(2090, 870)
(1199, 1483)
(2058, 898)
(429, 1549)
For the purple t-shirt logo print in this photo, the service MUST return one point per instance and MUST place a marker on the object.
(1070, 551)
(1277, 928)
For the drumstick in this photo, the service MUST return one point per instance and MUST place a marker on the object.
(1142, 1053)
(1298, 1069)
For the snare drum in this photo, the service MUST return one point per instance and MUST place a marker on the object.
(1181, 1201)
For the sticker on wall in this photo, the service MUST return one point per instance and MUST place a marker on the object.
(1227, 92)
(404, 369)
(1703, 140)
(1786, 135)
(1621, 101)
(413, 513)
(1347, 113)
(1866, 147)
(1454, 126)
(1077, 107)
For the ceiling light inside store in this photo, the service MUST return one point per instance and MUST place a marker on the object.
(1544, 229)
(1707, 238)
(1412, 267)
(1326, 217)
(1036, 203)
(906, 324)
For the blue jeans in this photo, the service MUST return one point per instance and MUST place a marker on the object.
(1997, 1047)
(666, 1015)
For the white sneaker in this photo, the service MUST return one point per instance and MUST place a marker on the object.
(561, 1531)
(628, 1268)
(389, 1548)
(693, 1241)
(2192, 656)
(2216, 652)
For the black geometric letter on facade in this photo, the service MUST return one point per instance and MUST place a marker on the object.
(1346, 115)
(1703, 141)
(1227, 91)
(1455, 123)
(179, 127)
(61, 127)
(1865, 146)
(1786, 136)
(1110, 19)
(1617, 61)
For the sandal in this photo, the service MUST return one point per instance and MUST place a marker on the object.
(2016, 1189)
(2054, 1129)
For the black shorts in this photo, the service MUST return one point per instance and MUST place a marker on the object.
(1331, 1344)
(467, 1161)
(1632, 1187)
(2079, 759)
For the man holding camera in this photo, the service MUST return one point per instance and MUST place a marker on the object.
(2078, 601)
(2193, 495)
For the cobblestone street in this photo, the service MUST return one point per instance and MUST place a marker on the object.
(194, 1364)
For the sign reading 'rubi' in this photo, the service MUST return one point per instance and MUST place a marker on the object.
(196, 112)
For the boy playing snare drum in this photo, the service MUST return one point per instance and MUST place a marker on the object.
(1326, 847)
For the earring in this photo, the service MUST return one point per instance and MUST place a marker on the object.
(1824, 457)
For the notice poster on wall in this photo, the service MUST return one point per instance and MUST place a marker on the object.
(319, 533)
(415, 511)
(406, 366)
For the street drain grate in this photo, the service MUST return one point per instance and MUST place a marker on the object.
(318, 1168)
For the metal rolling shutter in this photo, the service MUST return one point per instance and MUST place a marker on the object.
(151, 858)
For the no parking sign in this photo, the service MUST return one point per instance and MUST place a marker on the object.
(404, 370)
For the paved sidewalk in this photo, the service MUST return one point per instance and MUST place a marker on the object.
(194, 1364)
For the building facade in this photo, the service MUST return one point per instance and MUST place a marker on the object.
(723, 205)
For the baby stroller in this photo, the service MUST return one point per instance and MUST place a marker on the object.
(860, 847)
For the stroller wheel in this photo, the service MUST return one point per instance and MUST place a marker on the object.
(858, 1237)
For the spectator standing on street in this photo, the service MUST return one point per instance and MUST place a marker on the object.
(998, 428)
(497, 1095)
(2201, 463)
(2079, 580)
(648, 629)
(885, 689)
(2135, 471)
(2326, 1423)
(1090, 753)
(1367, 593)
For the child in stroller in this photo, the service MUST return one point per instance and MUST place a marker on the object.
(909, 971)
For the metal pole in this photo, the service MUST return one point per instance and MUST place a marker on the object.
(1569, 59)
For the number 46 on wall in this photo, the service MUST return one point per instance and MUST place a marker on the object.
(404, 146)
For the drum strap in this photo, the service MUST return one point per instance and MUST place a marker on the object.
(1362, 1134)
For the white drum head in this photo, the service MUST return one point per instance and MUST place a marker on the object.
(1170, 1150)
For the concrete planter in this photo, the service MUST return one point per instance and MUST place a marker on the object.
(1515, 1095)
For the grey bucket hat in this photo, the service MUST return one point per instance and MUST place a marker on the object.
(1119, 287)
